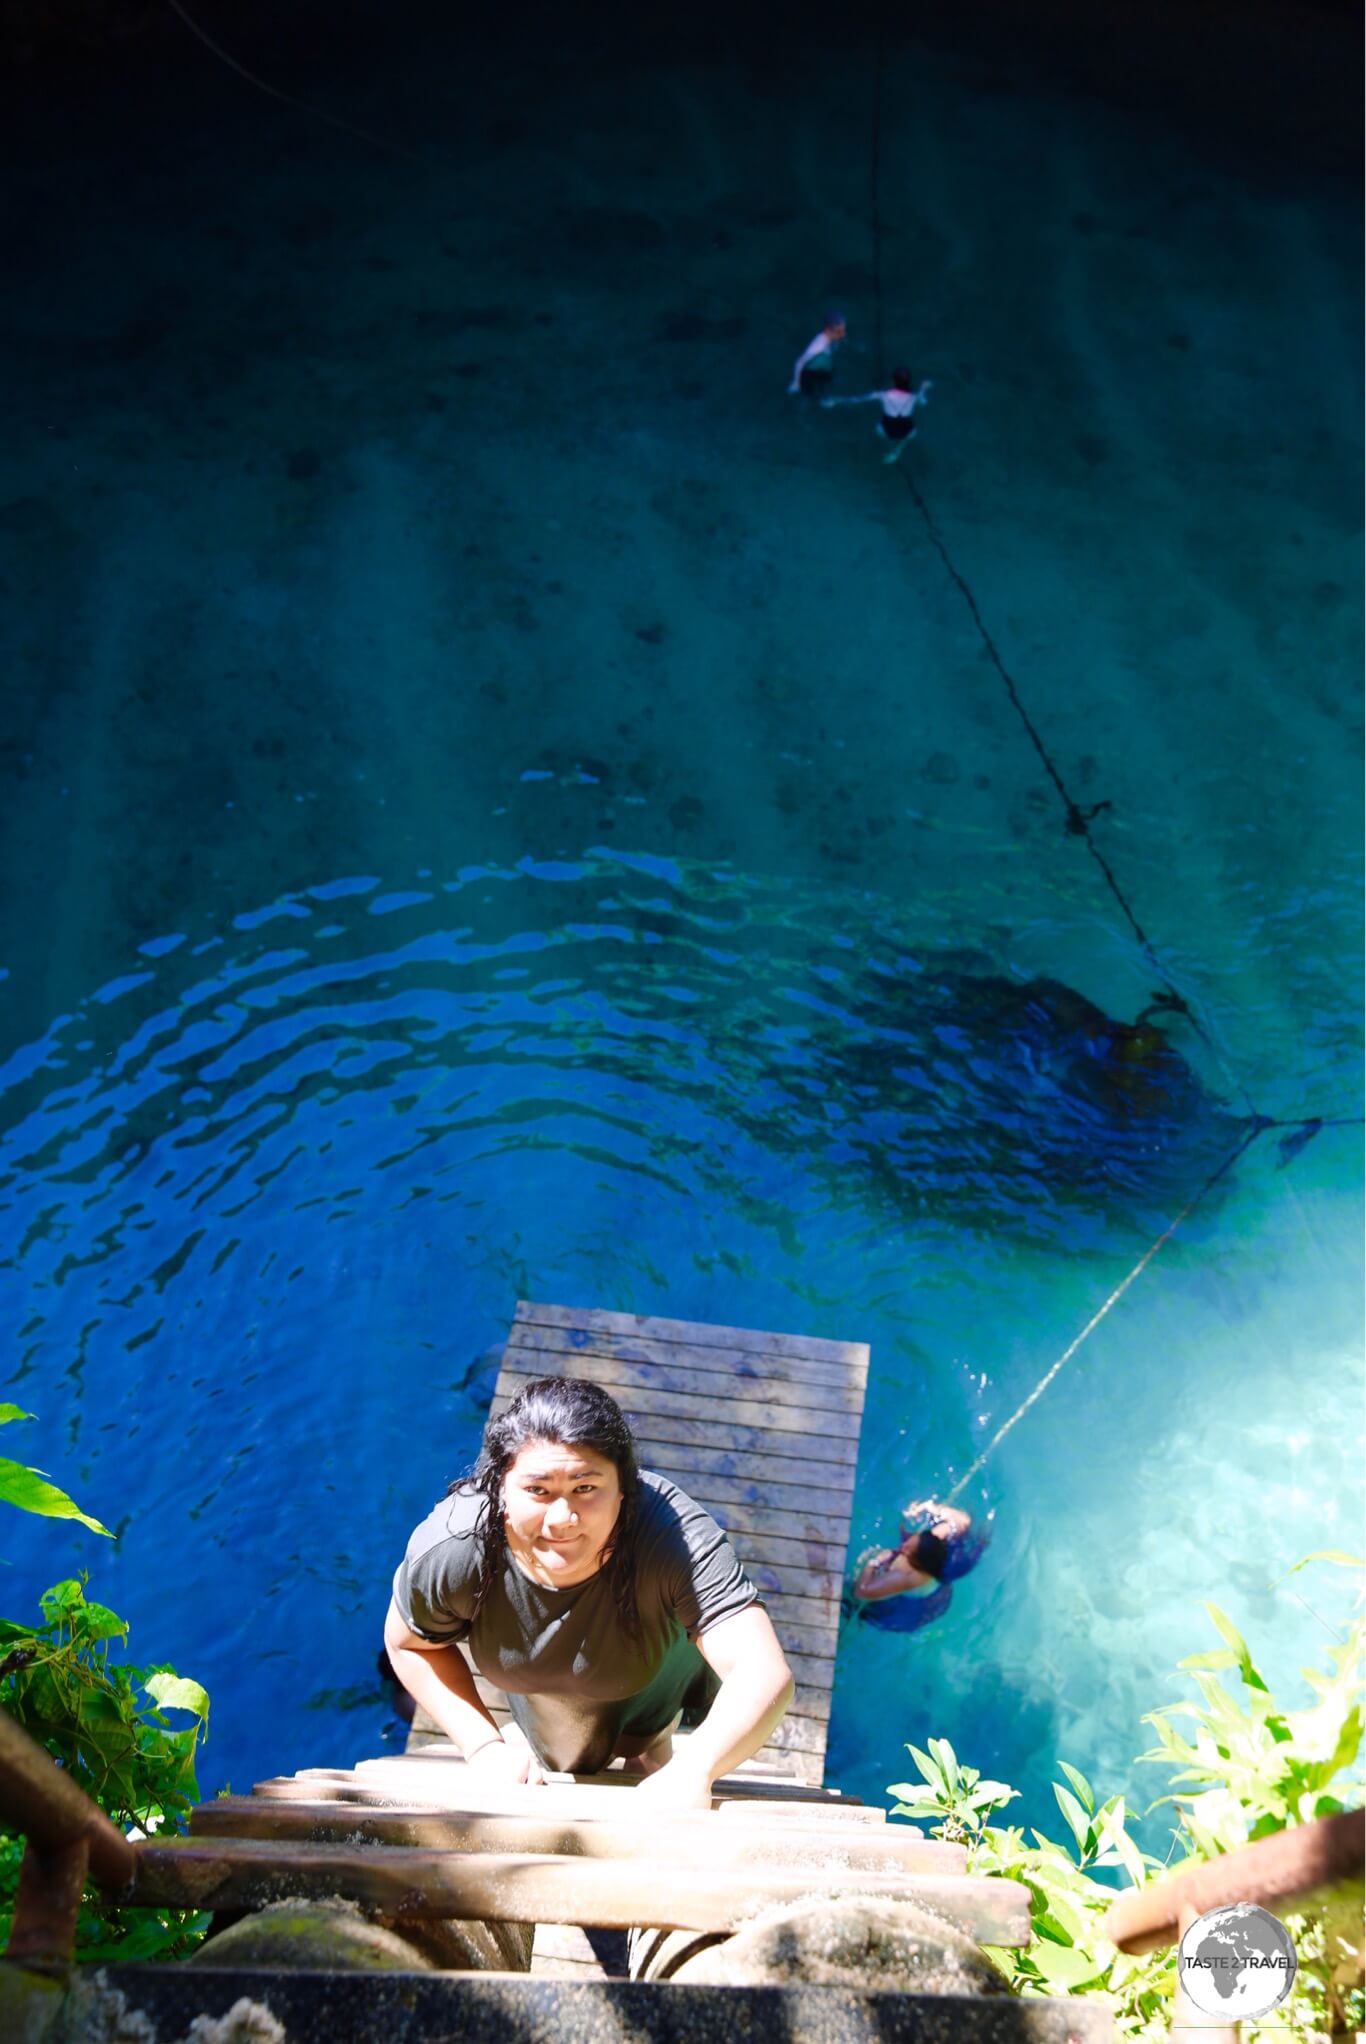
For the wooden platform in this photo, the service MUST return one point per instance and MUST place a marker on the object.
(763, 1430)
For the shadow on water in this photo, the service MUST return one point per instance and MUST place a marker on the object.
(706, 1039)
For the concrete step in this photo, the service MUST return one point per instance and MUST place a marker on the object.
(433, 2008)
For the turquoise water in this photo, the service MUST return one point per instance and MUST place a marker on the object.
(497, 806)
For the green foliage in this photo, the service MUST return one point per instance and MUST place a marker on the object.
(105, 1723)
(1244, 1768)
(29, 1490)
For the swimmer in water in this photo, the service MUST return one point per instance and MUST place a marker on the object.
(938, 1544)
(813, 372)
(900, 402)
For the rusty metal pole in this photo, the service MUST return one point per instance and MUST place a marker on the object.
(68, 1836)
(51, 1884)
(1189, 2026)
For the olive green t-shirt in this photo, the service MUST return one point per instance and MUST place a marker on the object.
(573, 1679)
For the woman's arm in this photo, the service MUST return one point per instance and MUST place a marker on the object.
(820, 346)
(756, 1689)
(870, 397)
(439, 1680)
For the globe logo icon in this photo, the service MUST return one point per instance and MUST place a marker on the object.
(1236, 1962)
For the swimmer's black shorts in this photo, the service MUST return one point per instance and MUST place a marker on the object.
(898, 427)
(815, 382)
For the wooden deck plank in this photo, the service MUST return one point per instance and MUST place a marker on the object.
(790, 1521)
(824, 1486)
(823, 1514)
(757, 1365)
(777, 1548)
(693, 1333)
(678, 1368)
(837, 1409)
(733, 1423)
(793, 1579)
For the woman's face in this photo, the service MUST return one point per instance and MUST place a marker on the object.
(559, 1507)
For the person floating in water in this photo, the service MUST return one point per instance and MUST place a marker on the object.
(813, 372)
(938, 1544)
(899, 402)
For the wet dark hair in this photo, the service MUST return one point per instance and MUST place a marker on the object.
(947, 1560)
(574, 1414)
(902, 380)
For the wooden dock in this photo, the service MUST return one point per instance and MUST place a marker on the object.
(762, 1429)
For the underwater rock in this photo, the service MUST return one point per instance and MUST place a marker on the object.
(986, 1100)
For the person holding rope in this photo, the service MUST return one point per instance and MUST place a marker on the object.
(598, 1596)
(899, 402)
(938, 1545)
(813, 372)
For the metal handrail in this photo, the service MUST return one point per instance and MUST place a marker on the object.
(1281, 1872)
(68, 1837)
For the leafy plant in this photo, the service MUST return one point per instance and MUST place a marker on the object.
(105, 1723)
(1068, 1952)
(1246, 1769)
(29, 1489)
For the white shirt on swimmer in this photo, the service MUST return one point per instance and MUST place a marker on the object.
(819, 353)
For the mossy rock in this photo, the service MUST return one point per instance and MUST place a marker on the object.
(335, 1935)
(858, 1942)
(30, 2005)
(331, 1936)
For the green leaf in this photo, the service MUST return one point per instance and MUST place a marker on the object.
(991, 1795)
(30, 1491)
(92, 1622)
(946, 1760)
(9, 1412)
(61, 1600)
(1333, 1554)
(1078, 1822)
(1065, 1966)
(1349, 1738)
(932, 1774)
(1080, 1784)
(178, 1692)
(1239, 1645)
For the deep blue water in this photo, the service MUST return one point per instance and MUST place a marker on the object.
(496, 806)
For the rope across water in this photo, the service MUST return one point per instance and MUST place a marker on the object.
(1077, 821)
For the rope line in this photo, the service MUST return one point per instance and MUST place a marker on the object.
(874, 186)
(1113, 1300)
(1077, 823)
(287, 98)
(1076, 820)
